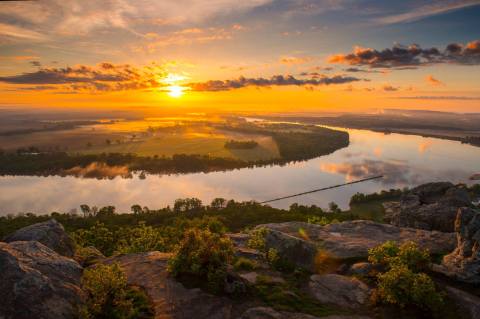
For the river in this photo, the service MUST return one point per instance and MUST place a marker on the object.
(404, 160)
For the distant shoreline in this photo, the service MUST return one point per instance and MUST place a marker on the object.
(465, 137)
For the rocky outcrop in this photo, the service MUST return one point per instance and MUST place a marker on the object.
(170, 298)
(431, 206)
(464, 262)
(309, 245)
(50, 233)
(342, 291)
(362, 269)
(269, 313)
(36, 282)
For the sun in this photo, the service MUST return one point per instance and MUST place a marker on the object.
(175, 91)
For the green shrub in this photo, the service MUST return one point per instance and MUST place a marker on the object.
(245, 264)
(98, 236)
(402, 287)
(205, 255)
(403, 283)
(108, 295)
(139, 239)
(321, 220)
(408, 254)
(257, 239)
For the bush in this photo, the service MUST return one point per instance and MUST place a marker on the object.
(408, 254)
(243, 263)
(108, 295)
(205, 255)
(98, 236)
(270, 255)
(257, 239)
(402, 287)
(403, 283)
(139, 239)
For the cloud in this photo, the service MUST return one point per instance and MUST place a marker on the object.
(424, 11)
(433, 81)
(295, 60)
(83, 17)
(389, 88)
(102, 77)
(20, 33)
(447, 97)
(187, 36)
(36, 63)
(276, 80)
(357, 70)
(401, 57)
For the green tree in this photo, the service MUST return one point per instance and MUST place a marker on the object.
(136, 209)
(85, 210)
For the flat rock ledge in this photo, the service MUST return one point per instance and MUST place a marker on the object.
(309, 245)
(170, 298)
(342, 291)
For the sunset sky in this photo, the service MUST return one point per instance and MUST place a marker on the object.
(248, 55)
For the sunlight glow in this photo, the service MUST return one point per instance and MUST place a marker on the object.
(175, 91)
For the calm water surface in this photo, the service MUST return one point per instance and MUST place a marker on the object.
(405, 160)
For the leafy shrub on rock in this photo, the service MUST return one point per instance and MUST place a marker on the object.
(139, 239)
(408, 254)
(98, 236)
(402, 287)
(204, 255)
(402, 282)
(108, 295)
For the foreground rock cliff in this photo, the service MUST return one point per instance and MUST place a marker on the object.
(36, 282)
(40, 279)
(431, 206)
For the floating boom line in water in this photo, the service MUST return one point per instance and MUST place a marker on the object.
(322, 189)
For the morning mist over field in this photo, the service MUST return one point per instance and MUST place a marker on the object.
(254, 159)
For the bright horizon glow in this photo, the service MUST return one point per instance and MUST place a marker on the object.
(175, 91)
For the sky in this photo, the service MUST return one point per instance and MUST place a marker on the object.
(250, 55)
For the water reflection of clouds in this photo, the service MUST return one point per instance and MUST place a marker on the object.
(424, 146)
(396, 172)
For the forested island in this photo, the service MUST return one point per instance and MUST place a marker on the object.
(295, 143)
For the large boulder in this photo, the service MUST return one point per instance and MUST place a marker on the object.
(342, 291)
(311, 246)
(36, 282)
(464, 262)
(170, 298)
(431, 206)
(50, 233)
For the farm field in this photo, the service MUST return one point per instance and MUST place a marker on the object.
(189, 143)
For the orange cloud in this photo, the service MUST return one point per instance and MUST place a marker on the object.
(295, 60)
(433, 81)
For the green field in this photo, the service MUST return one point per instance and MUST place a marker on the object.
(170, 144)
